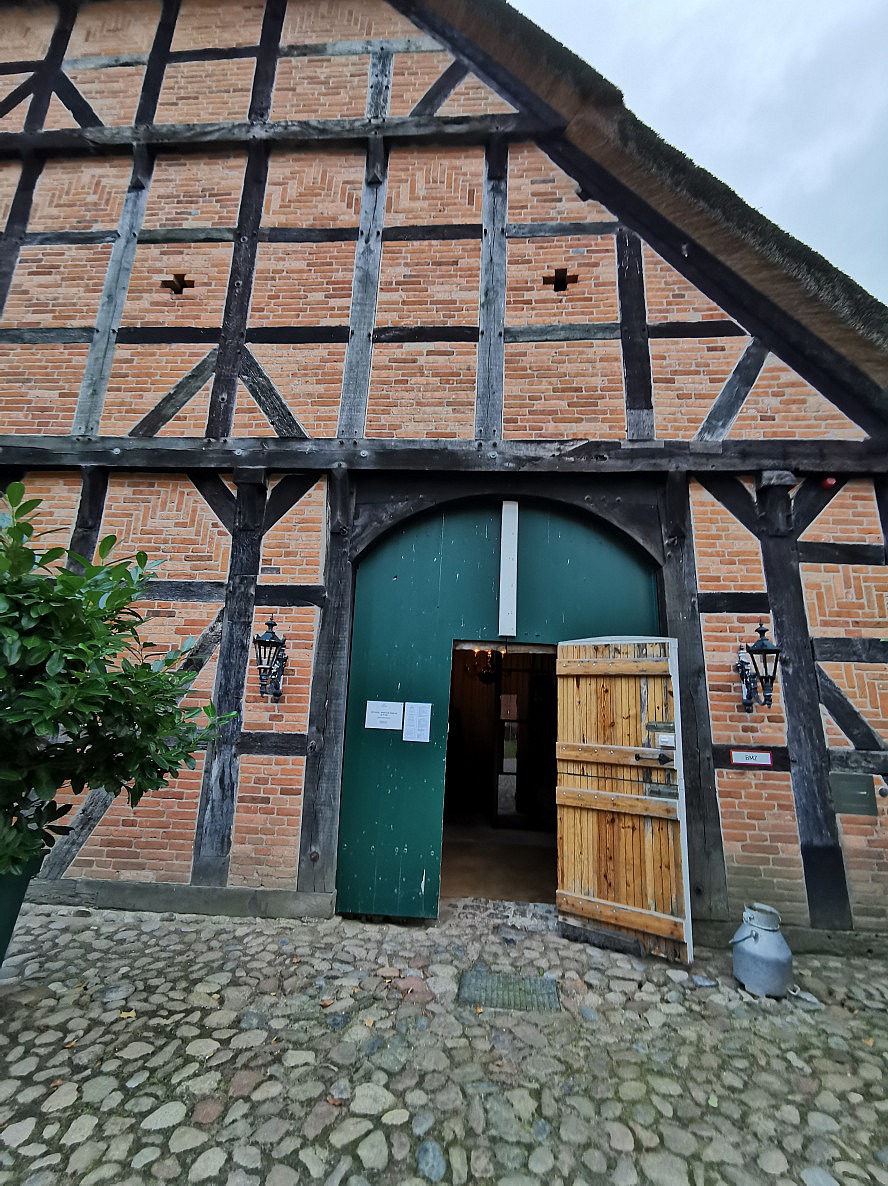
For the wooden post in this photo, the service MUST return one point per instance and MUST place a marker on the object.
(237, 303)
(637, 377)
(326, 733)
(824, 869)
(218, 793)
(708, 882)
(492, 303)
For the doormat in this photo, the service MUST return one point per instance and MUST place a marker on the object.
(494, 990)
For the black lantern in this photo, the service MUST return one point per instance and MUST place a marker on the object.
(271, 659)
(762, 670)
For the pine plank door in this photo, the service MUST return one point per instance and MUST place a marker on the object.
(622, 838)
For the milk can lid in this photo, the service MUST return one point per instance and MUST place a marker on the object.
(757, 914)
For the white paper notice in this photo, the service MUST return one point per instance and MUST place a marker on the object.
(417, 721)
(384, 714)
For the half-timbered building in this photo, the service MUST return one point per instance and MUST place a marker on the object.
(389, 321)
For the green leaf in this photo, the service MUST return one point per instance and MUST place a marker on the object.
(106, 545)
(15, 492)
(55, 663)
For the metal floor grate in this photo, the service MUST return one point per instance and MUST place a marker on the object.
(497, 991)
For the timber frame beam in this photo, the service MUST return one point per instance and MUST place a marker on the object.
(316, 455)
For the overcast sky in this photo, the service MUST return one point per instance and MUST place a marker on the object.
(785, 100)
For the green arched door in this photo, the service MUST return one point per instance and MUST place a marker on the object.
(428, 583)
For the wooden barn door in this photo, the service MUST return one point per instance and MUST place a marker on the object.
(622, 844)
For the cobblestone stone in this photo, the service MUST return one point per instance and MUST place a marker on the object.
(225, 1052)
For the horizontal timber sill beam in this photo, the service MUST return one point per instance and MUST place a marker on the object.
(274, 743)
(454, 129)
(425, 232)
(824, 552)
(213, 591)
(506, 457)
(851, 650)
(140, 335)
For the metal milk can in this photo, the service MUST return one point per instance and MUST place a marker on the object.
(762, 959)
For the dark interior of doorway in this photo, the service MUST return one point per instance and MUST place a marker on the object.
(499, 791)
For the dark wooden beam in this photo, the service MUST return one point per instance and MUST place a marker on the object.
(217, 496)
(709, 894)
(553, 230)
(426, 333)
(365, 292)
(849, 719)
(215, 817)
(26, 66)
(16, 96)
(441, 89)
(75, 102)
(601, 331)
(812, 497)
(47, 73)
(732, 396)
(448, 130)
(168, 454)
(155, 68)
(326, 732)
(97, 801)
(269, 400)
(266, 60)
(825, 879)
(379, 84)
(856, 761)
(851, 650)
(52, 238)
(91, 400)
(734, 497)
(237, 302)
(209, 591)
(637, 376)
(733, 603)
(880, 490)
(490, 383)
(17, 224)
(817, 552)
(273, 743)
(431, 232)
(289, 490)
(174, 401)
(719, 327)
(227, 54)
(88, 524)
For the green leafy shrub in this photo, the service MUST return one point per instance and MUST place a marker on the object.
(83, 701)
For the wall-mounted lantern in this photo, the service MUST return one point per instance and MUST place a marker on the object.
(757, 665)
(271, 659)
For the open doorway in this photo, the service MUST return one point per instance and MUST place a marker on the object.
(499, 790)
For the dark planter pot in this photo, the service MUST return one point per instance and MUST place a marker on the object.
(13, 887)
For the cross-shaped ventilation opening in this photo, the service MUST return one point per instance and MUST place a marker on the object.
(178, 284)
(560, 279)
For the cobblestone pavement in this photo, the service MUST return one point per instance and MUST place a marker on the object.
(137, 1048)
